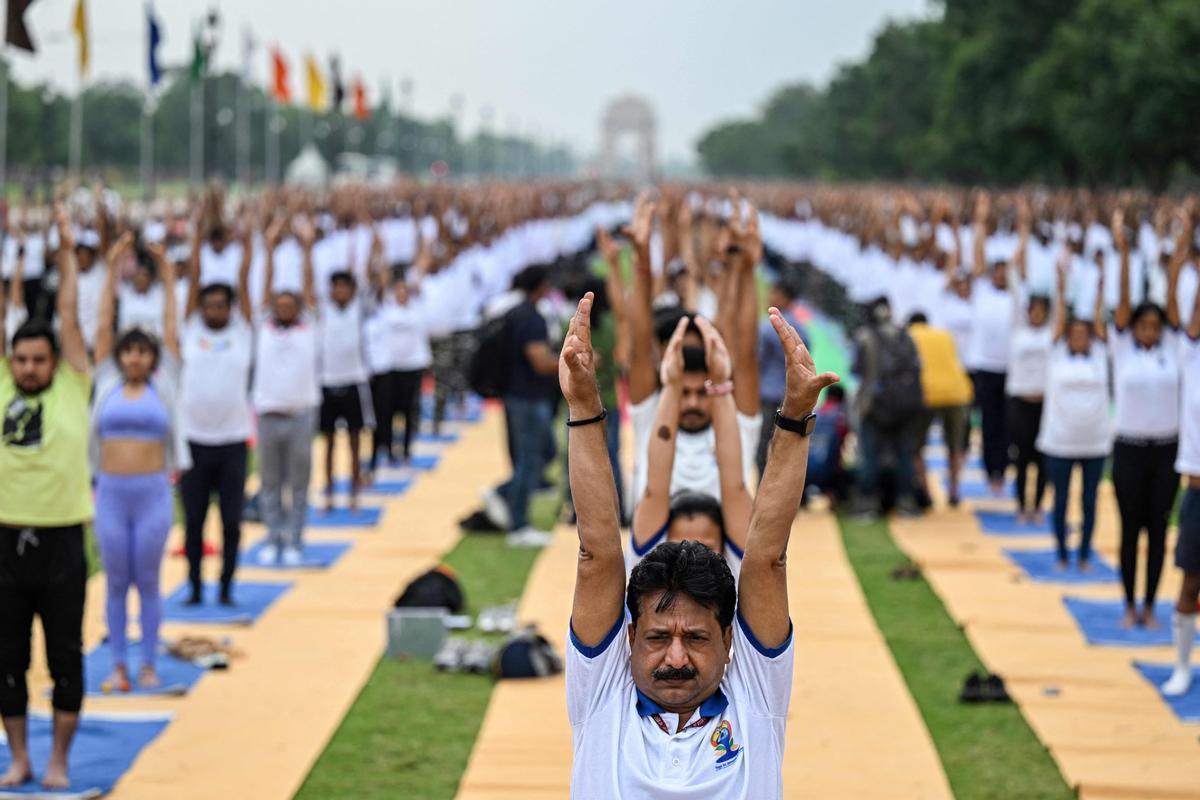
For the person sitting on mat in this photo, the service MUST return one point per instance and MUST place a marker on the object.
(660, 515)
(684, 671)
(45, 499)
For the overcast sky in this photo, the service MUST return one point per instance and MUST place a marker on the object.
(544, 66)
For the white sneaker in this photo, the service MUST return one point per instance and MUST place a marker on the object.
(292, 557)
(529, 536)
(1179, 683)
(268, 555)
(496, 509)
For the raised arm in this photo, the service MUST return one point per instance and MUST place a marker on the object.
(1183, 249)
(654, 505)
(617, 300)
(1123, 311)
(243, 285)
(736, 502)
(307, 236)
(1060, 295)
(1193, 329)
(106, 318)
(271, 241)
(1099, 323)
(16, 295)
(600, 573)
(762, 590)
(193, 298)
(982, 207)
(642, 382)
(745, 343)
(74, 349)
(166, 268)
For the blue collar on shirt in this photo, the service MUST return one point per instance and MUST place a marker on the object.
(714, 706)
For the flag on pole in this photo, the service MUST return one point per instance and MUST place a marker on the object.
(199, 57)
(318, 90)
(154, 37)
(249, 45)
(360, 100)
(279, 78)
(339, 88)
(80, 27)
(15, 32)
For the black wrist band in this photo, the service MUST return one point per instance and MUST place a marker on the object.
(803, 426)
(575, 423)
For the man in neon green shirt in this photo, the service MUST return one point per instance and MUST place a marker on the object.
(45, 499)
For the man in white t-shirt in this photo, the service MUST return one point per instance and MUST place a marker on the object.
(345, 395)
(286, 393)
(214, 414)
(678, 687)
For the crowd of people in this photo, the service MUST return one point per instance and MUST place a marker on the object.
(153, 341)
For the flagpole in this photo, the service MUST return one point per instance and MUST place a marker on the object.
(243, 135)
(4, 124)
(76, 152)
(272, 143)
(148, 149)
(197, 138)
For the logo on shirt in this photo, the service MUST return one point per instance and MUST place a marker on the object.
(724, 748)
(22, 423)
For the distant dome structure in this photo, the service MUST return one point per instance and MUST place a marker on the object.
(628, 115)
(308, 169)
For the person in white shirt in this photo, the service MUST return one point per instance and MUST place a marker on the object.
(661, 515)
(1146, 377)
(140, 299)
(88, 246)
(215, 414)
(403, 331)
(1187, 546)
(1076, 428)
(345, 396)
(678, 687)
(286, 394)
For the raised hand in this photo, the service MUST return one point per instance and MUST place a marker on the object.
(577, 364)
(804, 385)
(640, 229)
(670, 371)
(1118, 230)
(66, 236)
(716, 355)
(610, 250)
(118, 250)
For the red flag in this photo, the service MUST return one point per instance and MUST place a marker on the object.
(279, 87)
(360, 100)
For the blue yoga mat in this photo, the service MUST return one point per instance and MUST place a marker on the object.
(1042, 566)
(1100, 621)
(104, 748)
(177, 676)
(317, 555)
(979, 490)
(1186, 707)
(942, 463)
(378, 486)
(343, 517)
(251, 600)
(1004, 523)
(437, 438)
(472, 412)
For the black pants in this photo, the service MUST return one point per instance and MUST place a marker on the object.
(1024, 423)
(222, 469)
(408, 403)
(43, 571)
(989, 396)
(395, 392)
(1145, 481)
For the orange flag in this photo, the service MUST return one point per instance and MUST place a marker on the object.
(279, 84)
(360, 100)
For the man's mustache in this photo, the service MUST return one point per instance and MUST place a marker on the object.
(675, 674)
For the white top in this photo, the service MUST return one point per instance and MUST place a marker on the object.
(1188, 460)
(91, 287)
(215, 386)
(140, 309)
(620, 751)
(222, 267)
(954, 314)
(285, 375)
(408, 336)
(34, 265)
(1029, 356)
(991, 309)
(340, 332)
(1146, 385)
(1075, 419)
(695, 453)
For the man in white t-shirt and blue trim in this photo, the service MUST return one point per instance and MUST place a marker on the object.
(679, 687)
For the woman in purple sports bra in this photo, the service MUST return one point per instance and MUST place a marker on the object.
(133, 450)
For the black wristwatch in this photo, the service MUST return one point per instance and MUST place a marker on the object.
(803, 426)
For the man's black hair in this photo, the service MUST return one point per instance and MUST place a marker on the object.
(1144, 308)
(531, 279)
(918, 318)
(785, 287)
(223, 289)
(343, 276)
(689, 568)
(1039, 300)
(136, 337)
(687, 503)
(835, 392)
(693, 359)
(665, 320)
(36, 329)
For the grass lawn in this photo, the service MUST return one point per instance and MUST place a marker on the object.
(410, 732)
(988, 751)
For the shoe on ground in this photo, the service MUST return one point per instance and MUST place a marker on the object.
(994, 690)
(292, 557)
(972, 689)
(529, 536)
(1179, 683)
(450, 657)
(479, 657)
(268, 555)
(496, 509)
(478, 522)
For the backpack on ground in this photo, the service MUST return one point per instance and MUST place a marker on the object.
(526, 654)
(488, 373)
(437, 588)
(898, 394)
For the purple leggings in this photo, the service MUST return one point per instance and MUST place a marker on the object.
(133, 517)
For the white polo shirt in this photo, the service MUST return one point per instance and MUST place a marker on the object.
(695, 453)
(1075, 418)
(1146, 385)
(731, 748)
(214, 397)
(1187, 462)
